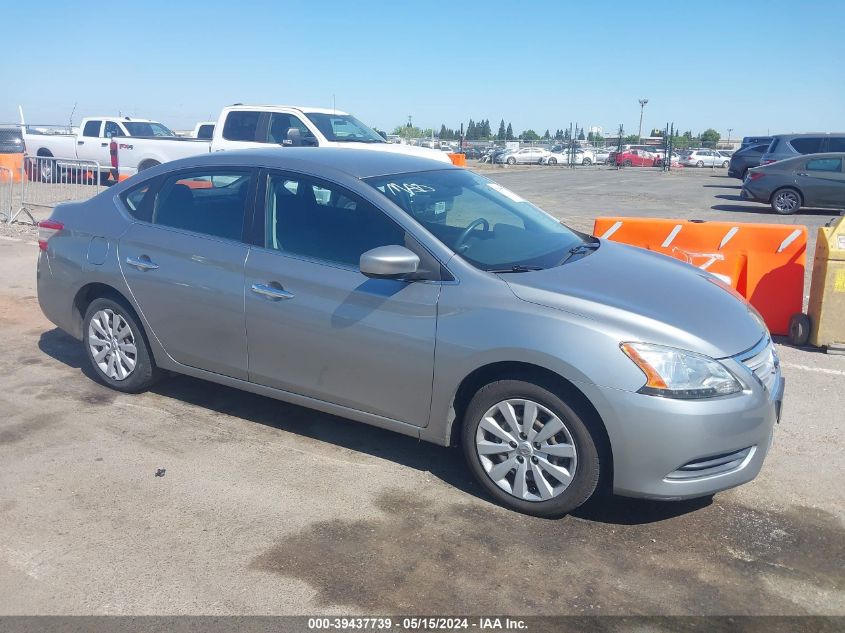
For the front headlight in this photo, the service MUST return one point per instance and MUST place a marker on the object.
(675, 373)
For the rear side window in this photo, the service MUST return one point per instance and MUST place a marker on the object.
(92, 128)
(759, 148)
(139, 201)
(824, 164)
(212, 203)
(811, 145)
(836, 144)
(241, 126)
(206, 131)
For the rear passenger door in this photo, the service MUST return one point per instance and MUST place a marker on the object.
(316, 326)
(822, 182)
(183, 260)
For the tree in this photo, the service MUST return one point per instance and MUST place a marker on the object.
(529, 135)
(590, 136)
(710, 137)
(558, 135)
(509, 133)
(444, 133)
(632, 139)
(581, 135)
(598, 138)
(502, 133)
(656, 132)
(547, 136)
(408, 132)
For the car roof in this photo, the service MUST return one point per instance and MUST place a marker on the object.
(303, 109)
(358, 163)
(802, 157)
(807, 134)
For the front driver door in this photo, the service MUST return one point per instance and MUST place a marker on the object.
(315, 325)
(184, 264)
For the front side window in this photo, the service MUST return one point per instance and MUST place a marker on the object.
(112, 130)
(281, 123)
(811, 145)
(324, 222)
(211, 203)
(824, 164)
(92, 128)
(344, 128)
(241, 126)
(489, 226)
(147, 128)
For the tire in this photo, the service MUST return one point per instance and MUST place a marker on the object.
(520, 492)
(799, 329)
(511, 161)
(46, 170)
(553, 161)
(700, 163)
(725, 165)
(586, 162)
(627, 163)
(743, 174)
(786, 201)
(101, 318)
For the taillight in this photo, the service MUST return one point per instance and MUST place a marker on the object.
(756, 175)
(767, 162)
(46, 230)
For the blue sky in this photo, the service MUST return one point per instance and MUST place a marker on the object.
(754, 66)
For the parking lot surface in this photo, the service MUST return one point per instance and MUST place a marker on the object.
(268, 508)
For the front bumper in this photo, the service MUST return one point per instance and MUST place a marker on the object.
(680, 449)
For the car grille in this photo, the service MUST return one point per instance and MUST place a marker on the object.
(763, 362)
(711, 465)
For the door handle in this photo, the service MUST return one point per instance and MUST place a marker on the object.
(104, 144)
(80, 142)
(801, 173)
(272, 293)
(143, 264)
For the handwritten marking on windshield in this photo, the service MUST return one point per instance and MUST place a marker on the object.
(409, 187)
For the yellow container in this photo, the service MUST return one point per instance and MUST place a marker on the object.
(827, 290)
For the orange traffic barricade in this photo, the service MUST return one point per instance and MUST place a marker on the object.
(12, 162)
(458, 159)
(763, 262)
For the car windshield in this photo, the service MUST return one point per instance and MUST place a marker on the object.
(138, 128)
(344, 128)
(489, 226)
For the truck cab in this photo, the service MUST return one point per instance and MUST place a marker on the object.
(242, 127)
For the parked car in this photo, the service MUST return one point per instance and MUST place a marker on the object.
(634, 158)
(745, 158)
(581, 157)
(523, 156)
(473, 153)
(425, 299)
(11, 139)
(602, 155)
(804, 181)
(704, 158)
(789, 145)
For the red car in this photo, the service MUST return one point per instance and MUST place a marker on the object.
(635, 158)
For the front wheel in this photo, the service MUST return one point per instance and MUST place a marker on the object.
(700, 163)
(725, 165)
(627, 163)
(117, 347)
(586, 162)
(553, 161)
(529, 449)
(786, 201)
(511, 161)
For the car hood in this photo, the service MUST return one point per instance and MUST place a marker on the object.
(408, 150)
(645, 296)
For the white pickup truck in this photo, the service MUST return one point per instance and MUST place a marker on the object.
(90, 142)
(242, 127)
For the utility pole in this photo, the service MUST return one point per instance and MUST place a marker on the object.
(642, 107)
(730, 129)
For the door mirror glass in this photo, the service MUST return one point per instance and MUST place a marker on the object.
(294, 138)
(389, 262)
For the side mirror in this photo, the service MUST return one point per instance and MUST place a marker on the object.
(389, 262)
(294, 137)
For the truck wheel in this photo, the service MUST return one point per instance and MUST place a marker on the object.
(799, 329)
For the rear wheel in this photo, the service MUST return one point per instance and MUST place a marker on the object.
(786, 201)
(530, 449)
(799, 329)
(724, 164)
(553, 161)
(700, 163)
(511, 161)
(627, 163)
(148, 164)
(586, 162)
(117, 347)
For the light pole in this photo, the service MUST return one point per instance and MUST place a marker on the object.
(642, 107)
(730, 129)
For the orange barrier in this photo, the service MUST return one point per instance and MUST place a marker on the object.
(12, 162)
(458, 159)
(763, 262)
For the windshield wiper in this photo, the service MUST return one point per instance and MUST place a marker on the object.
(518, 268)
(580, 249)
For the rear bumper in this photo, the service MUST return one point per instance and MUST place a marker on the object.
(675, 449)
(747, 193)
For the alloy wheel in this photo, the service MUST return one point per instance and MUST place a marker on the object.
(526, 450)
(787, 201)
(112, 344)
